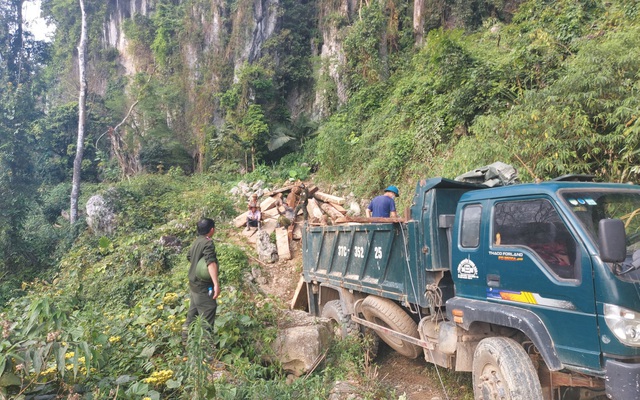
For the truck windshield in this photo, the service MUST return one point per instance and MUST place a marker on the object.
(592, 206)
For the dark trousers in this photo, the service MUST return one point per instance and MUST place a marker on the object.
(201, 304)
(303, 207)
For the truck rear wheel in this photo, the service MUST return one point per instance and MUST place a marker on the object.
(388, 314)
(342, 324)
(503, 370)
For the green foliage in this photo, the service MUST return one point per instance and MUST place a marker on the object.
(362, 46)
(234, 262)
(167, 23)
(551, 91)
(290, 46)
(578, 123)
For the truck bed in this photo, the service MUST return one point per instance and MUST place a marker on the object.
(369, 258)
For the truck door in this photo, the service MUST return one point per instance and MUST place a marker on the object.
(535, 261)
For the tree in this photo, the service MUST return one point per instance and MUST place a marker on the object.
(18, 69)
(77, 162)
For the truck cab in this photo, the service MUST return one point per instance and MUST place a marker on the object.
(528, 257)
(533, 288)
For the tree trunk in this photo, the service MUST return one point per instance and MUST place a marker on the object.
(327, 198)
(330, 211)
(418, 22)
(77, 162)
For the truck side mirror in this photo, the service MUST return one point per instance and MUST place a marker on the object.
(612, 240)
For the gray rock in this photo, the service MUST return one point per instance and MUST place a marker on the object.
(172, 242)
(258, 185)
(100, 217)
(300, 342)
(354, 209)
(267, 251)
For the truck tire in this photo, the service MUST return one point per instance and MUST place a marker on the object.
(388, 314)
(503, 370)
(342, 324)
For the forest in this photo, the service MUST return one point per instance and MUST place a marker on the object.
(186, 98)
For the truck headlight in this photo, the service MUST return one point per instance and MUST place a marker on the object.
(624, 323)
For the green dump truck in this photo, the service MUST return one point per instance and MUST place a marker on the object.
(534, 288)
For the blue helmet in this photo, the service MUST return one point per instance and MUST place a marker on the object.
(392, 189)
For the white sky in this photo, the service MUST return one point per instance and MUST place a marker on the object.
(34, 23)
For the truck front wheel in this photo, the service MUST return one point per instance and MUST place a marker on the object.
(388, 314)
(503, 370)
(342, 324)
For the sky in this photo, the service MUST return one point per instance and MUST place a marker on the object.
(34, 23)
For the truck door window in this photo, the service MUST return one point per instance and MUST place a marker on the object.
(536, 225)
(470, 230)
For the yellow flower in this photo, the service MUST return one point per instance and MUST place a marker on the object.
(69, 355)
(170, 298)
(159, 377)
(114, 339)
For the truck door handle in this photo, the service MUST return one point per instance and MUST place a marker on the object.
(493, 280)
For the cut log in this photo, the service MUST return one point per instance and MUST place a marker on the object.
(339, 207)
(365, 220)
(281, 190)
(272, 213)
(300, 299)
(240, 220)
(297, 230)
(314, 209)
(282, 241)
(268, 203)
(292, 200)
(312, 190)
(328, 198)
(269, 225)
(331, 211)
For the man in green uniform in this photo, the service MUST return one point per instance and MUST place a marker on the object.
(203, 292)
(302, 203)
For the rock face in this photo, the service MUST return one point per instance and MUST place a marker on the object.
(234, 34)
(301, 342)
(100, 216)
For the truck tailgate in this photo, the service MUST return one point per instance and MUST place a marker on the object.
(370, 258)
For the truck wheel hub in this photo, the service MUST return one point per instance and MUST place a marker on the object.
(491, 384)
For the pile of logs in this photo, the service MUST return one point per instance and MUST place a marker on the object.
(322, 208)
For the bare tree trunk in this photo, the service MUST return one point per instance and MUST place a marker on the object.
(77, 162)
(418, 22)
(253, 158)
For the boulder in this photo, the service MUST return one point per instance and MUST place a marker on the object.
(100, 217)
(267, 251)
(301, 342)
(354, 209)
(172, 242)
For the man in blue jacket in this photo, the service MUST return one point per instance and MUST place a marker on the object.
(384, 205)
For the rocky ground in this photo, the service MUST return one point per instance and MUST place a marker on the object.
(415, 379)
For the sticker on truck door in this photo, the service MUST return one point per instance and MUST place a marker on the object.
(467, 269)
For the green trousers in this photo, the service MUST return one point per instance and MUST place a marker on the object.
(201, 304)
